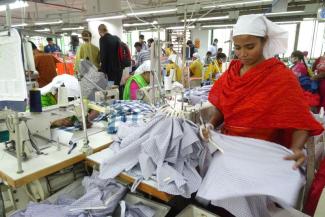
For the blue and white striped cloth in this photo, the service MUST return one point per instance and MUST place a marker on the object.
(125, 111)
(168, 148)
(196, 95)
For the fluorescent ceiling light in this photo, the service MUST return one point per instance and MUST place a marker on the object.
(309, 19)
(19, 25)
(284, 12)
(73, 28)
(15, 5)
(288, 22)
(106, 18)
(48, 23)
(237, 3)
(43, 30)
(151, 12)
(139, 24)
(77, 34)
(207, 18)
(216, 26)
(180, 27)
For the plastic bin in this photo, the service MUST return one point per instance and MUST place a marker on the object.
(161, 209)
(66, 68)
(194, 211)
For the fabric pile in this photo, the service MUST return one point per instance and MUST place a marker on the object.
(102, 197)
(249, 176)
(167, 148)
(198, 94)
(122, 111)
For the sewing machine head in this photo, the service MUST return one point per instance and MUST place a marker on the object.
(39, 124)
(107, 95)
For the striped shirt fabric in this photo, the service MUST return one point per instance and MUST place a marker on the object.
(165, 147)
(143, 55)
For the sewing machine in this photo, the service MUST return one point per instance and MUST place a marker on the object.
(33, 129)
(39, 124)
(107, 95)
(32, 149)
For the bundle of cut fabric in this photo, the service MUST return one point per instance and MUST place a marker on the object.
(166, 147)
(101, 198)
(197, 95)
(250, 176)
(123, 111)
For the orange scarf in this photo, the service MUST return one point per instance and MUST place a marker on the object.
(267, 96)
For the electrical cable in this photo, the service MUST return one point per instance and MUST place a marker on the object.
(141, 20)
(209, 11)
(33, 143)
(192, 11)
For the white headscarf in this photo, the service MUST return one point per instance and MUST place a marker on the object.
(196, 55)
(69, 81)
(144, 67)
(175, 59)
(259, 25)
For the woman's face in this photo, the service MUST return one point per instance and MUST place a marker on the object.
(248, 49)
(146, 76)
(294, 59)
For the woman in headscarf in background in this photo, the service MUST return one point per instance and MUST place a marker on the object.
(196, 66)
(140, 79)
(87, 51)
(175, 63)
(258, 96)
(310, 87)
(319, 69)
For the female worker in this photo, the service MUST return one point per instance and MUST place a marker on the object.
(319, 68)
(258, 96)
(299, 67)
(87, 51)
(140, 79)
(176, 64)
(214, 69)
(310, 87)
(196, 66)
(221, 58)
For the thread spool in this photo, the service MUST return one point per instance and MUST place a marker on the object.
(63, 96)
(167, 83)
(35, 102)
(172, 74)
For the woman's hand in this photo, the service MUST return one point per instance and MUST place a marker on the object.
(298, 156)
(205, 131)
(315, 77)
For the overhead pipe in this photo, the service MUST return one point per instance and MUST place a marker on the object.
(56, 5)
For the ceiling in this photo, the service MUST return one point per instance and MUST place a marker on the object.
(74, 12)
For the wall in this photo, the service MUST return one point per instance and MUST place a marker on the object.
(114, 27)
(105, 8)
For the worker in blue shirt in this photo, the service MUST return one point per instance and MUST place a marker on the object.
(51, 47)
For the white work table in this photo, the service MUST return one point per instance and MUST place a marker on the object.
(147, 186)
(52, 161)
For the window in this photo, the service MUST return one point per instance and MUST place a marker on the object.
(318, 46)
(177, 39)
(224, 37)
(153, 34)
(133, 36)
(291, 28)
